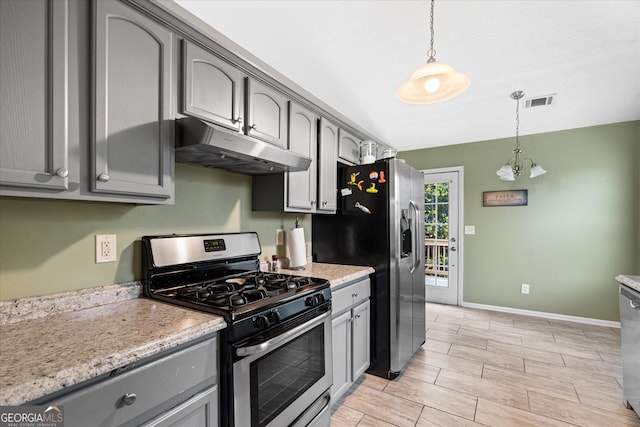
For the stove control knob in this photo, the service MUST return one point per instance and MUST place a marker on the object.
(261, 322)
(310, 302)
(274, 316)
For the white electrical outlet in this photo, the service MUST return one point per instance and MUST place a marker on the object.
(105, 248)
(470, 229)
(524, 289)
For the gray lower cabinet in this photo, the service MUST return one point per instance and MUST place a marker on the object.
(33, 85)
(348, 147)
(212, 89)
(179, 389)
(350, 335)
(327, 167)
(133, 130)
(292, 191)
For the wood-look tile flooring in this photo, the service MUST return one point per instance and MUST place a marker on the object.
(480, 367)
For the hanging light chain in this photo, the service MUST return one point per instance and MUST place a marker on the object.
(431, 52)
(517, 122)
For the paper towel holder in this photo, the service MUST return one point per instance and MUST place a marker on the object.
(299, 267)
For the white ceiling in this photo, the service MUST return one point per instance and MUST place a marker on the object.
(353, 55)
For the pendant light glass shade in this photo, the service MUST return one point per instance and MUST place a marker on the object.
(433, 82)
(536, 170)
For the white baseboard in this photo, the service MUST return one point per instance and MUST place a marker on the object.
(543, 314)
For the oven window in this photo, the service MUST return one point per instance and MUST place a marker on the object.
(280, 377)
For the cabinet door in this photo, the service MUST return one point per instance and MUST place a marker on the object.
(327, 167)
(33, 86)
(303, 139)
(361, 339)
(348, 147)
(341, 341)
(133, 141)
(200, 410)
(211, 88)
(266, 113)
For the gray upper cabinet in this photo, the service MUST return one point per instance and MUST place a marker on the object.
(212, 89)
(348, 147)
(133, 129)
(303, 139)
(292, 191)
(327, 167)
(266, 117)
(33, 87)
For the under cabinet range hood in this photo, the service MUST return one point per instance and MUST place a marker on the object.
(203, 144)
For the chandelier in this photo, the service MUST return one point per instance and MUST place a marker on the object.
(514, 167)
(433, 81)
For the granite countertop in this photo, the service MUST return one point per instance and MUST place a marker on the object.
(52, 342)
(631, 281)
(46, 353)
(336, 274)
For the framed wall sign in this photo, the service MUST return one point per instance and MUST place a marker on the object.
(505, 198)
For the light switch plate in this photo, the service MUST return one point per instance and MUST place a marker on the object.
(469, 229)
(105, 248)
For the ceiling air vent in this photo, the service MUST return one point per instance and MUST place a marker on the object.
(539, 101)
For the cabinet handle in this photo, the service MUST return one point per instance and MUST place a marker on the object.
(354, 295)
(129, 398)
(324, 203)
(313, 202)
(103, 177)
(238, 120)
(357, 316)
(253, 127)
(62, 172)
(634, 305)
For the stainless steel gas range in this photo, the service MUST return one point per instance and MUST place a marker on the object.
(275, 354)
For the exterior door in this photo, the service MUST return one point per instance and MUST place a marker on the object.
(442, 196)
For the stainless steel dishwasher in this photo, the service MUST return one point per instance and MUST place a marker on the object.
(630, 329)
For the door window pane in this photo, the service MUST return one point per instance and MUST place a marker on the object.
(436, 198)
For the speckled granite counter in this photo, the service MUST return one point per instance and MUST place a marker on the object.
(336, 274)
(631, 281)
(41, 355)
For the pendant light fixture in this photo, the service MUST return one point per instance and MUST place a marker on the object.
(514, 167)
(433, 81)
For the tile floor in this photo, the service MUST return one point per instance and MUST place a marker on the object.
(481, 367)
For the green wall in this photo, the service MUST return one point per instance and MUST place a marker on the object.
(48, 246)
(579, 230)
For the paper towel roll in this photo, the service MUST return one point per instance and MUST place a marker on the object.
(297, 248)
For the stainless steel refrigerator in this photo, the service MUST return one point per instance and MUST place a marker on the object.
(380, 223)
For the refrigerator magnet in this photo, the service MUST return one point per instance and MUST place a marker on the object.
(372, 189)
(363, 208)
(346, 192)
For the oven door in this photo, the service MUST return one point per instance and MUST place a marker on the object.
(285, 380)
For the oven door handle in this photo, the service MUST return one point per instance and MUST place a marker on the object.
(280, 339)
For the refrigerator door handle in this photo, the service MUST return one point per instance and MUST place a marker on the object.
(416, 223)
